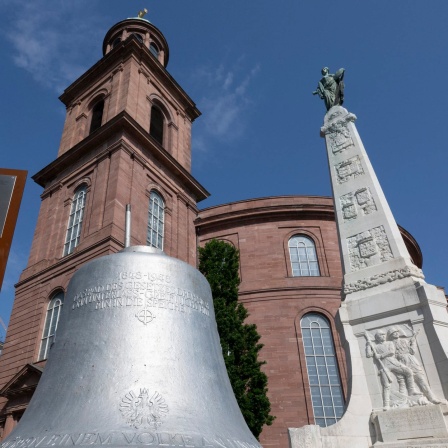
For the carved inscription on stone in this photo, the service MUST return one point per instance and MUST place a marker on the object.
(369, 248)
(349, 169)
(147, 292)
(415, 418)
(431, 445)
(123, 438)
(339, 138)
(360, 201)
(144, 410)
(418, 424)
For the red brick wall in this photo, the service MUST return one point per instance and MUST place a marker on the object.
(276, 301)
(129, 82)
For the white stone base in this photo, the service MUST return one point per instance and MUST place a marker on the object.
(419, 423)
(420, 443)
(420, 306)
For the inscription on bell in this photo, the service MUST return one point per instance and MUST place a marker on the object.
(134, 290)
(116, 438)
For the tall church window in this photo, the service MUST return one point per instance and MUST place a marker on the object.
(323, 371)
(302, 252)
(75, 220)
(51, 324)
(156, 221)
(97, 116)
(156, 126)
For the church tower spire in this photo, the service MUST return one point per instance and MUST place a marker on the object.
(126, 140)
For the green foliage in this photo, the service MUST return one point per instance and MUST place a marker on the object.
(219, 262)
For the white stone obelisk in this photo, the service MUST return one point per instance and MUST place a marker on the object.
(394, 325)
(373, 251)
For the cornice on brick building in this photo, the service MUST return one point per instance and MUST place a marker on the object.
(122, 122)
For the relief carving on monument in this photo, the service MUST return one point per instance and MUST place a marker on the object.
(339, 139)
(336, 118)
(348, 169)
(385, 277)
(401, 374)
(369, 248)
(360, 199)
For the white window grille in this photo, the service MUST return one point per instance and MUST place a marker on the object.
(51, 324)
(323, 371)
(302, 252)
(75, 220)
(156, 221)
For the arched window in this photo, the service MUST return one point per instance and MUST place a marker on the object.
(303, 256)
(154, 50)
(51, 324)
(156, 219)
(138, 36)
(156, 126)
(97, 116)
(322, 367)
(75, 220)
(116, 41)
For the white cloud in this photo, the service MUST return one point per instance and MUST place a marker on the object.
(51, 41)
(228, 81)
(225, 102)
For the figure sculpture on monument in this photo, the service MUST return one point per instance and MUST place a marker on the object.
(331, 88)
(384, 352)
(405, 353)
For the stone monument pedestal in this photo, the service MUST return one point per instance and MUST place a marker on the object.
(419, 425)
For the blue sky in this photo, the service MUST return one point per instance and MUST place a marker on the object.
(250, 66)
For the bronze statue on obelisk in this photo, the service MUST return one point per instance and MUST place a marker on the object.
(331, 88)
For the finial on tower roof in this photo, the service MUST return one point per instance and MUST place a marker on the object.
(142, 13)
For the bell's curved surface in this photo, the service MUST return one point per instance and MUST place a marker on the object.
(136, 361)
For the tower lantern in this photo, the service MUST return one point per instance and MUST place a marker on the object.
(144, 32)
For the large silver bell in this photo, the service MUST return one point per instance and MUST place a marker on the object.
(136, 361)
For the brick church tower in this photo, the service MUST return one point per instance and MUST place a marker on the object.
(126, 140)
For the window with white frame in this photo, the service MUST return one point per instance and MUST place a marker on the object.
(156, 220)
(51, 324)
(302, 252)
(322, 368)
(75, 220)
